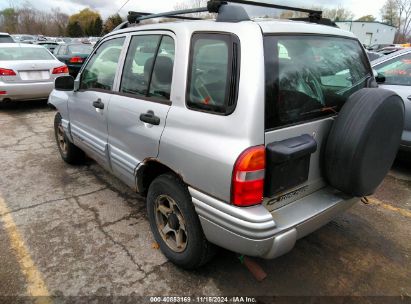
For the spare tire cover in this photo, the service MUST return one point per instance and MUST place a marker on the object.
(363, 141)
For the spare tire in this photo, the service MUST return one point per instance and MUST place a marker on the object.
(363, 141)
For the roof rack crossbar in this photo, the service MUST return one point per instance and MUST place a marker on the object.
(137, 15)
(269, 5)
(175, 14)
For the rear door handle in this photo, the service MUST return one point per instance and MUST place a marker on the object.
(409, 97)
(98, 104)
(150, 118)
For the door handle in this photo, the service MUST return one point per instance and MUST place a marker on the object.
(98, 104)
(409, 97)
(150, 118)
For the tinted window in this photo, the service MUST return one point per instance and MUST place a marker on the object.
(101, 69)
(80, 49)
(6, 39)
(148, 68)
(397, 71)
(211, 65)
(309, 77)
(24, 53)
(63, 50)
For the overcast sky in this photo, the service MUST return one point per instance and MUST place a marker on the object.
(108, 7)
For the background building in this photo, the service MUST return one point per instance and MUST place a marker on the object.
(368, 32)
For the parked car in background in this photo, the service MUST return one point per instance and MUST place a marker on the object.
(6, 38)
(395, 74)
(27, 72)
(390, 50)
(28, 39)
(73, 55)
(50, 45)
(377, 47)
(373, 55)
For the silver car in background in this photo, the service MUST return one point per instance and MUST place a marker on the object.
(395, 74)
(27, 72)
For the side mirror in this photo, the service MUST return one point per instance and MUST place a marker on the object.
(380, 78)
(64, 83)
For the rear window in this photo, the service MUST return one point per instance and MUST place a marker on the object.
(213, 73)
(24, 53)
(308, 77)
(80, 49)
(6, 39)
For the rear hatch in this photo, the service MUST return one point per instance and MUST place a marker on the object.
(29, 71)
(308, 80)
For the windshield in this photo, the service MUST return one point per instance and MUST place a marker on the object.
(80, 49)
(311, 76)
(6, 39)
(24, 53)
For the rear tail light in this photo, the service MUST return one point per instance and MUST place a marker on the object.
(248, 178)
(3, 92)
(76, 60)
(7, 72)
(61, 70)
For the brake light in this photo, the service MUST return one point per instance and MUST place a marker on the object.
(7, 72)
(61, 70)
(3, 92)
(248, 177)
(76, 60)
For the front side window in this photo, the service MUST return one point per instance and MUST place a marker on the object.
(101, 69)
(213, 73)
(310, 76)
(148, 67)
(397, 71)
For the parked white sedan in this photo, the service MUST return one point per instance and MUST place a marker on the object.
(27, 72)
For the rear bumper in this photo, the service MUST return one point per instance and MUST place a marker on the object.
(26, 91)
(406, 141)
(254, 231)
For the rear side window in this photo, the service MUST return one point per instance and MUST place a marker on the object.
(213, 73)
(397, 71)
(148, 68)
(309, 76)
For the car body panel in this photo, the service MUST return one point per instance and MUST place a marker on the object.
(34, 79)
(202, 148)
(402, 90)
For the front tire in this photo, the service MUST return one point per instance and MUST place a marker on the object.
(175, 223)
(68, 151)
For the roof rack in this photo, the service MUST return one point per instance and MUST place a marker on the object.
(225, 13)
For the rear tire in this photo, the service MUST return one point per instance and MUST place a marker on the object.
(68, 151)
(175, 223)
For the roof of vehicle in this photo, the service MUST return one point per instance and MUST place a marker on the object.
(389, 56)
(4, 34)
(267, 26)
(23, 45)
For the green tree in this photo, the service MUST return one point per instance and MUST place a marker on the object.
(74, 29)
(111, 23)
(9, 20)
(367, 18)
(86, 19)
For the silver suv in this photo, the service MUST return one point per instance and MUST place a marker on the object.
(243, 134)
